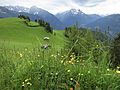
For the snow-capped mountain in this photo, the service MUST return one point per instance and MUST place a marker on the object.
(73, 16)
(45, 15)
(34, 13)
(17, 8)
(4, 12)
(72, 12)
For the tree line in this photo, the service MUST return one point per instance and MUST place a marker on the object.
(41, 22)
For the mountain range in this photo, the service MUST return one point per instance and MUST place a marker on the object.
(111, 23)
(74, 16)
(65, 19)
(34, 13)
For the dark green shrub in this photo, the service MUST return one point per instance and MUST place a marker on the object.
(115, 52)
(24, 17)
(46, 25)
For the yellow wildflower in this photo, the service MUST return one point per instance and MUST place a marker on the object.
(72, 59)
(82, 74)
(118, 67)
(71, 79)
(38, 55)
(118, 71)
(88, 72)
(108, 69)
(26, 80)
(25, 49)
(23, 84)
(68, 70)
(52, 55)
(21, 55)
(62, 56)
(97, 45)
(79, 74)
(62, 61)
(28, 83)
(58, 54)
(56, 73)
(70, 62)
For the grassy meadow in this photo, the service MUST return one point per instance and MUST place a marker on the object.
(15, 33)
(24, 65)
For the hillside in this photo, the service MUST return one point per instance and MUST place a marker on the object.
(111, 21)
(14, 32)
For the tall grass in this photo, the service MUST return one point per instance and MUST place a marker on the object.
(49, 69)
(39, 69)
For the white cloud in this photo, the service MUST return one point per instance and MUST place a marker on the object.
(107, 7)
(55, 6)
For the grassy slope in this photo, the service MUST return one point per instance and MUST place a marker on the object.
(13, 32)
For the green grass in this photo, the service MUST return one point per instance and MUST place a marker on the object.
(14, 32)
(33, 24)
(28, 67)
(38, 69)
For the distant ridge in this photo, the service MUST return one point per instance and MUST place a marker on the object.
(112, 22)
(72, 16)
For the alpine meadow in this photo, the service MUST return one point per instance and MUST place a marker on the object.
(59, 45)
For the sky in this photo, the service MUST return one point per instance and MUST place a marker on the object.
(101, 7)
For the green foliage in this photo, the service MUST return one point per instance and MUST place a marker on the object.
(115, 52)
(24, 17)
(32, 24)
(47, 26)
(40, 22)
(83, 43)
(36, 69)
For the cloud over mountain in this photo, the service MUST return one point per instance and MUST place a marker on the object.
(54, 6)
(89, 2)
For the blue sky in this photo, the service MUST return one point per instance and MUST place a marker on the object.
(102, 7)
